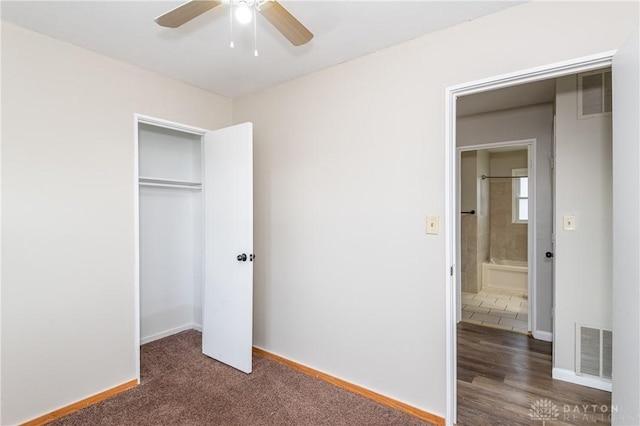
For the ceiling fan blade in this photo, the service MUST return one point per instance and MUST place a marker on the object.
(185, 12)
(286, 23)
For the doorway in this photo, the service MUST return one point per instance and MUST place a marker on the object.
(453, 93)
(497, 230)
(579, 118)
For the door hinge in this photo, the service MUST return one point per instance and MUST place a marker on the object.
(553, 162)
(451, 271)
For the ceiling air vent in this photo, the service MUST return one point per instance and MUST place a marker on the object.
(593, 351)
(594, 94)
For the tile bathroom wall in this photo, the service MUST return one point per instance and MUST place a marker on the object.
(483, 228)
(508, 240)
(468, 252)
(474, 229)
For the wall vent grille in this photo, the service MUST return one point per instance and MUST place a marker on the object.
(594, 94)
(593, 351)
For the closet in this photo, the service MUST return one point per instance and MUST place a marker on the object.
(195, 210)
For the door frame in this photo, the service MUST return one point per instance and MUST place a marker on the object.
(530, 145)
(554, 70)
(158, 122)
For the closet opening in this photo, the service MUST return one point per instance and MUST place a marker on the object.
(194, 234)
(171, 246)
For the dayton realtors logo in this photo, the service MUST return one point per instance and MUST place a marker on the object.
(544, 410)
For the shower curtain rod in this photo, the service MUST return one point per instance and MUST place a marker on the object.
(501, 177)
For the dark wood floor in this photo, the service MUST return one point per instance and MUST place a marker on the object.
(504, 378)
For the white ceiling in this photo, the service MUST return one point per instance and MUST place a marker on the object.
(198, 53)
(539, 92)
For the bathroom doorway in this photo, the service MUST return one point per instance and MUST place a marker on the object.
(496, 226)
(510, 132)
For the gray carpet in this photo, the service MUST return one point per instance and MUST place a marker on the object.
(180, 386)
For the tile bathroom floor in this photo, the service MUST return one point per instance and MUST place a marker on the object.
(503, 309)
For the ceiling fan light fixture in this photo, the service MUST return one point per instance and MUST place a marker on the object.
(243, 14)
(287, 24)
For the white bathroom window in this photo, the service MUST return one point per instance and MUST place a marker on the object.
(520, 185)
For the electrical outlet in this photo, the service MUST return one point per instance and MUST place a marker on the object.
(432, 225)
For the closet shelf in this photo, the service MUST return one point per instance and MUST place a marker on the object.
(169, 183)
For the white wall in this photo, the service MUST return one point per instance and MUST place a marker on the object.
(68, 215)
(349, 160)
(502, 163)
(626, 233)
(583, 272)
(168, 254)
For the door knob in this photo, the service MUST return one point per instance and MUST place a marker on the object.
(242, 257)
(549, 255)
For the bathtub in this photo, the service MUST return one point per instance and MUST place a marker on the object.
(505, 275)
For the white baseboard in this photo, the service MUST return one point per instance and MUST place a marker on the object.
(170, 332)
(571, 377)
(543, 335)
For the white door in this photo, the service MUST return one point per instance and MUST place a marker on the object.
(228, 245)
(626, 232)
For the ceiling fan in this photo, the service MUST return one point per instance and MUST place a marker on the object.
(272, 10)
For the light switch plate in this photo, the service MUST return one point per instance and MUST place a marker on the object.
(569, 223)
(432, 225)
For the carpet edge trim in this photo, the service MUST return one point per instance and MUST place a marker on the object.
(79, 405)
(359, 390)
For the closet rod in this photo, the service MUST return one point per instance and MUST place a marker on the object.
(502, 177)
(170, 185)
